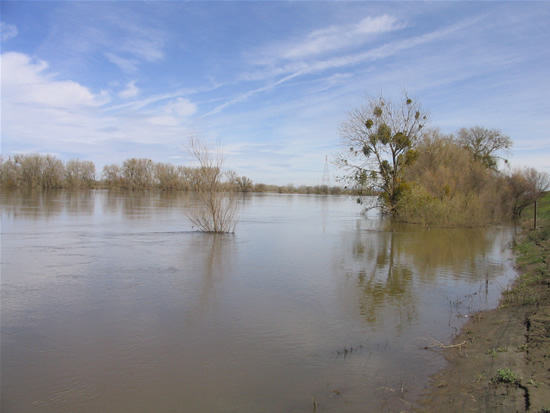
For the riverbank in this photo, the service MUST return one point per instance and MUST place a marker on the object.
(500, 361)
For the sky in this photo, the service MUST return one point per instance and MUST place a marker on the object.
(268, 82)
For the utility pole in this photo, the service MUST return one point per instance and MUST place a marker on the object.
(535, 218)
(326, 175)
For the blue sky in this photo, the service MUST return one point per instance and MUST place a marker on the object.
(270, 81)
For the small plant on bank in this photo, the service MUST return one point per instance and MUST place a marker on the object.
(533, 383)
(522, 348)
(530, 300)
(479, 377)
(492, 353)
(506, 376)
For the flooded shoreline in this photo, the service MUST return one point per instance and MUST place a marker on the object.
(112, 301)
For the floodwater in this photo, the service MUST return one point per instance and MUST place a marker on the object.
(111, 302)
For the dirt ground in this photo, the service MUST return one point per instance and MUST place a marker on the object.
(514, 337)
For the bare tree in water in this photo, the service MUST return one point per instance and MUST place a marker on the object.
(216, 207)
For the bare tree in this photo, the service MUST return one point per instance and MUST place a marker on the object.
(9, 172)
(379, 139)
(138, 173)
(37, 171)
(484, 143)
(112, 175)
(167, 176)
(215, 210)
(244, 184)
(525, 187)
(79, 174)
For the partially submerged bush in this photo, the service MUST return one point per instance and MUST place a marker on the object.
(215, 208)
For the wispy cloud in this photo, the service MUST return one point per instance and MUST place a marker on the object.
(147, 46)
(138, 39)
(338, 37)
(244, 96)
(113, 31)
(149, 101)
(131, 91)
(8, 31)
(134, 49)
(294, 70)
(125, 64)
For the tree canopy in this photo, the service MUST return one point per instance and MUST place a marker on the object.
(379, 140)
(483, 143)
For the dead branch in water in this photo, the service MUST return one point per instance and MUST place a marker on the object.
(438, 344)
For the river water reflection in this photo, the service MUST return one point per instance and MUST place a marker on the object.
(111, 302)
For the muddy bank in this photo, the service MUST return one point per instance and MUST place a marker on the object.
(500, 362)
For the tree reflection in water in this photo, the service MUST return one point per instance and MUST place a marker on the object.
(390, 262)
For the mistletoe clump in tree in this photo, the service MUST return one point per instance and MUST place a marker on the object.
(379, 140)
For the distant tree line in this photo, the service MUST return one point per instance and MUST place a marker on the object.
(48, 172)
(423, 176)
(45, 172)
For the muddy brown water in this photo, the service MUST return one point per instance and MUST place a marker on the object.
(111, 302)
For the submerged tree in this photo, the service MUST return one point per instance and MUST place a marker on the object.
(138, 173)
(33, 171)
(79, 174)
(112, 175)
(216, 205)
(379, 140)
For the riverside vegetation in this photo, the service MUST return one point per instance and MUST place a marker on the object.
(418, 174)
(38, 171)
(423, 176)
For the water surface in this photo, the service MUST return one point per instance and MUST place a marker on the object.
(112, 302)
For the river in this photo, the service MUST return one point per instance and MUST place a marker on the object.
(112, 302)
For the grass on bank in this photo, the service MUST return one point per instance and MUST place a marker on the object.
(532, 247)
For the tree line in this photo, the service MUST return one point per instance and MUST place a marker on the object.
(421, 175)
(39, 171)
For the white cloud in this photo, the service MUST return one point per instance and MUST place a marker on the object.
(131, 91)
(8, 31)
(42, 113)
(25, 81)
(181, 107)
(173, 113)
